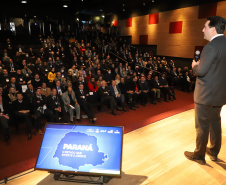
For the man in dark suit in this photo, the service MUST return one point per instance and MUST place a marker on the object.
(22, 109)
(106, 97)
(210, 91)
(116, 93)
(40, 110)
(56, 105)
(82, 96)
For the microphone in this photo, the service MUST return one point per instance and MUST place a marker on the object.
(197, 53)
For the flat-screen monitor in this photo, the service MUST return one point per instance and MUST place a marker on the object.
(81, 149)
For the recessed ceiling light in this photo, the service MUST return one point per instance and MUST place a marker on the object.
(65, 6)
(24, 2)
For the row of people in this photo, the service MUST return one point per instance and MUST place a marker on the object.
(55, 103)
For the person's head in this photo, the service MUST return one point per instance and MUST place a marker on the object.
(58, 74)
(12, 90)
(103, 83)
(53, 70)
(30, 86)
(142, 78)
(1, 90)
(135, 78)
(98, 72)
(92, 79)
(213, 26)
(38, 91)
(122, 80)
(100, 78)
(36, 76)
(149, 76)
(43, 85)
(80, 79)
(18, 71)
(19, 96)
(13, 80)
(113, 83)
(81, 87)
(58, 83)
(117, 77)
(54, 91)
(156, 77)
(73, 67)
(69, 89)
(5, 72)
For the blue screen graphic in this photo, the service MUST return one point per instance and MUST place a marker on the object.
(80, 148)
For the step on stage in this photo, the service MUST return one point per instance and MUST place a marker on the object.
(154, 154)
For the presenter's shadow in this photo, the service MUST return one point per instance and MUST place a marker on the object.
(126, 179)
(221, 163)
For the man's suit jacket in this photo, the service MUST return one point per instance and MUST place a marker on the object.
(103, 91)
(210, 86)
(146, 85)
(113, 92)
(79, 94)
(66, 99)
(51, 104)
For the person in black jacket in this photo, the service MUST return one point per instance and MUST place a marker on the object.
(40, 109)
(82, 97)
(22, 111)
(130, 94)
(56, 105)
(144, 90)
(165, 88)
(4, 118)
(106, 97)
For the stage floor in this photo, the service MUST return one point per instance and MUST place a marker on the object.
(154, 154)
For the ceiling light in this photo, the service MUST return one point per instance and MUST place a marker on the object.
(153, 1)
(24, 2)
(103, 16)
(65, 6)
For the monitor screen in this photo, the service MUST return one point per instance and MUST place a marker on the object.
(84, 149)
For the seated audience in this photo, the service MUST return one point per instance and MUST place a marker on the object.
(71, 104)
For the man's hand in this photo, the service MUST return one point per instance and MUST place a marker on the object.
(7, 117)
(194, 63)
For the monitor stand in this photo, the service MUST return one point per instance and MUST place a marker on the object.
(71, 178)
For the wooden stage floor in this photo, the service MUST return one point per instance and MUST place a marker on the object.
(154, 154)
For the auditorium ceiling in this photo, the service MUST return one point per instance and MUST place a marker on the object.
(123, 8)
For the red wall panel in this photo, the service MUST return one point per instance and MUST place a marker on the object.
(116, 23)
(175, 27)
(154, 18)
(129, 22)
(207, 10)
